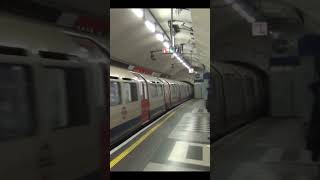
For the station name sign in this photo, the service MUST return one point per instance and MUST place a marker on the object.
(259, 29)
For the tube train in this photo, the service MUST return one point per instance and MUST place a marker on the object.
(52, 102)
(136, 99)
(237, 95)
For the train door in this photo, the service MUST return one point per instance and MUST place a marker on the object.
(166, 86)
(169, 94)
(19, 124)
(179, 93)
(74, 139)
(165, 96)
(145, 104)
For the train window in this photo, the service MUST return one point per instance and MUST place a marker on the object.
(13, 51)
(160, 89)
(153, 90)
(173, 90)
(67, 97)
(57, 55)
(115, 95)
(16, 102)
(134, 92)
(130, 92)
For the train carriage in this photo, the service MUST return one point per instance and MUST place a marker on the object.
(167, 94)
(236, 95)
(154, 97)
(125, 102)
(52, 102)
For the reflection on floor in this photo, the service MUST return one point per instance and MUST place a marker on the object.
(180, 144)
(268, 149)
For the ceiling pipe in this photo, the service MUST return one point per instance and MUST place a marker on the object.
(171, 27)
(171, 33)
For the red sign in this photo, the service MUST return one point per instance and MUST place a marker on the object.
(165, 50)
(145, 110)
(97, 25)
(142, 70)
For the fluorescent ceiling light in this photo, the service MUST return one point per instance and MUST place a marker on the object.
(166, 44)
(151, 26)
(173, 40)
(175, 55)
(138, 12)
(243, 13)
(159, 36)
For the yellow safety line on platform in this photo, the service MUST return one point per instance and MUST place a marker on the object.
(134, 145)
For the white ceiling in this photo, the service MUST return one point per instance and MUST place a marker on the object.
(131, 42)
(201, 23)
(225, 17)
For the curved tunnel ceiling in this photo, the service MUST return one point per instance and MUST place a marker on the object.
(281, 15)
(201, 22)
(289, 18)
(131, 42)
(97, 8)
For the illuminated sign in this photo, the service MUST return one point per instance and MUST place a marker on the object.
(165, 50)
(259, 29)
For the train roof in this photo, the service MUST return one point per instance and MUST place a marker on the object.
(35, 36)
(151, 79)
(170, 81)
(125, 74)
(122, 74)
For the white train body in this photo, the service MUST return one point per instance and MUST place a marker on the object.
(149, 97)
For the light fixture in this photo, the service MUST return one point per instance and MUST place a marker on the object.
(160, 37)
(166, 44)
(179, 59)
(151, 26)
(175, 55)
(243, 13)
(138, 12)
(172, 40)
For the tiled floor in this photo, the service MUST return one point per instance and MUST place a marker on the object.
(268, 149)
(180, 144)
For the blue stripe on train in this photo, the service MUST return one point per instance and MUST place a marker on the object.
(118, 131)
(157, 111)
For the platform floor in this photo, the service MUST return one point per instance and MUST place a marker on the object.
(177, 141)
(267, 149)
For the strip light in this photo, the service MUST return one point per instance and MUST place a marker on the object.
(152, 28)
(138, 12)
(160, 37)
(237, 7)
(166, 44)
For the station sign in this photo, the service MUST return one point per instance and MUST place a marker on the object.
(91, 25)
(86, 24)
(142, 70)
(198, 76)
(259, 29)
(165, 50)
(171, 50)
